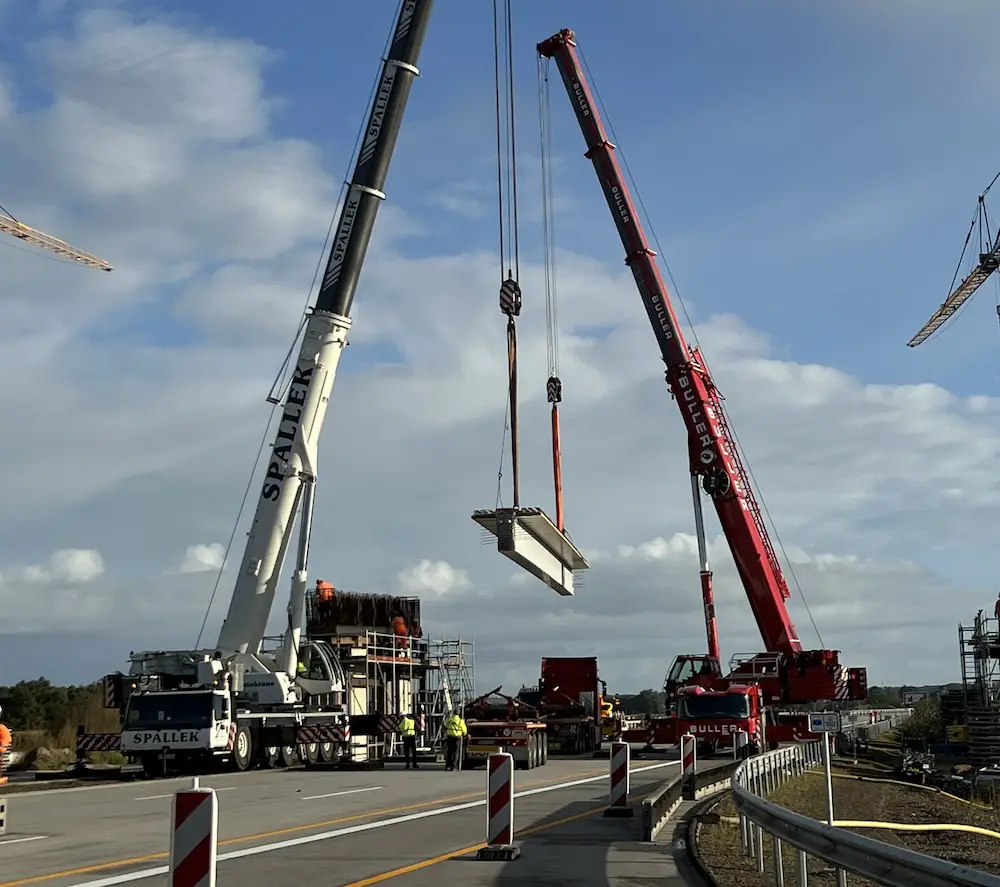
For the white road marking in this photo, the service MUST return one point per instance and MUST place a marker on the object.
(227, 788)
(5, 841)
(350, 791)
(355, 829)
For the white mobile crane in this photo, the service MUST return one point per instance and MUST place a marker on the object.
(237, 705)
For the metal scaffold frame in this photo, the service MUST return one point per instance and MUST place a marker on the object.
(979, 646)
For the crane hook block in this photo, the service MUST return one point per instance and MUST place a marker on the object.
(510, 297)
(532, 541)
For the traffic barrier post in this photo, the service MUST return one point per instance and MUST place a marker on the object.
(621, 761)
(740, 742)
(3, 817)
(499, 810)
(689, 764)
(194, 837)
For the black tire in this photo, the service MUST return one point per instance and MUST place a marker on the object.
(327, 752)
(534, 751)
(545, 749)
(309, 752)
(288, 756)
(271, 755)
(242, 749)
(152, 765)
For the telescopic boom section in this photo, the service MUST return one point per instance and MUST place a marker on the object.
(293, 457)
(714, 457)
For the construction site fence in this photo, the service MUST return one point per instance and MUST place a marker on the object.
(845, 851)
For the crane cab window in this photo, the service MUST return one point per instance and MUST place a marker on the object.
(220, 708)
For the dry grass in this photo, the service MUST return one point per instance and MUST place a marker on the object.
(719, 843)
(59, 748)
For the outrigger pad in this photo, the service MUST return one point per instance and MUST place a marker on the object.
(498, 854)
(529, 538)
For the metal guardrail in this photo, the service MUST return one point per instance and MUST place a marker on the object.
(848, 852)
(658, 807)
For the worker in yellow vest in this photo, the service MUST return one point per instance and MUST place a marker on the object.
(408, 730)
(455, 732)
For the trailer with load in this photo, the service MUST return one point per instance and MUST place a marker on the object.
(569, 699)
(500, 723)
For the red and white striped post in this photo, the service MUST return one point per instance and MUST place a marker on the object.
(194, 837)
(689, 763)
(499, 810)
(621, 760)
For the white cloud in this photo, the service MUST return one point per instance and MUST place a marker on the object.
(70, 566)
(436, 578)
(136, 435)
(201, 558)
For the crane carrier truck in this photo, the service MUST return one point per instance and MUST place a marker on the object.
(238, 703)
(787, 674)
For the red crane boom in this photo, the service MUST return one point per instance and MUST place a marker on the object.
(714, 456)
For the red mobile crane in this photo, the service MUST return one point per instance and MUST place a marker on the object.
(786, 674)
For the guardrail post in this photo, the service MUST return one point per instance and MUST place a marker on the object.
(499, 810)
(621, 757)
(802, 875)
(194, 837)
(689, 764)
(779, 863)
(3, 817)
(759, 838)
(744, 837)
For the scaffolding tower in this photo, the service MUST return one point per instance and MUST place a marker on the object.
(391, 675)
(979, 646)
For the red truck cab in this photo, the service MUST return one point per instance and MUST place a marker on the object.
(716, 716)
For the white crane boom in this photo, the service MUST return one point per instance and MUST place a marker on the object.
(292, 462)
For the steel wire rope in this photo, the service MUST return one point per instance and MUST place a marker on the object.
(279, 386)
(694, 336)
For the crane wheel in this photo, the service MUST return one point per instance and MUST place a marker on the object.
(272, 756)
(242, 749)
(545, 749)
(327, 752)
(288, 756)
(309, 752)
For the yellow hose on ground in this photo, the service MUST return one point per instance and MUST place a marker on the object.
(916, 827)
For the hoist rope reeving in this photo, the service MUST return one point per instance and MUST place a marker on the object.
(510, 294)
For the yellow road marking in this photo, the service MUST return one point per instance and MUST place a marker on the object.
(444, 857)
(276, 833)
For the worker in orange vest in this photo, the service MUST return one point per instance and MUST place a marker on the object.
(324, 600)
(400, 631)
(5, 742)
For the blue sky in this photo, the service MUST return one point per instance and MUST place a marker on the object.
(809, 169)
(833, 129)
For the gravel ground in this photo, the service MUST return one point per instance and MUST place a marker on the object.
(719, 843)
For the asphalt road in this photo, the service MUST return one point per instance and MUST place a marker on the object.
(277, 826)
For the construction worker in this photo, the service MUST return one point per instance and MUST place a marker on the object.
(5, 742)
(455, 731)
(408, 730)
(324, 600)
(400, 631)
